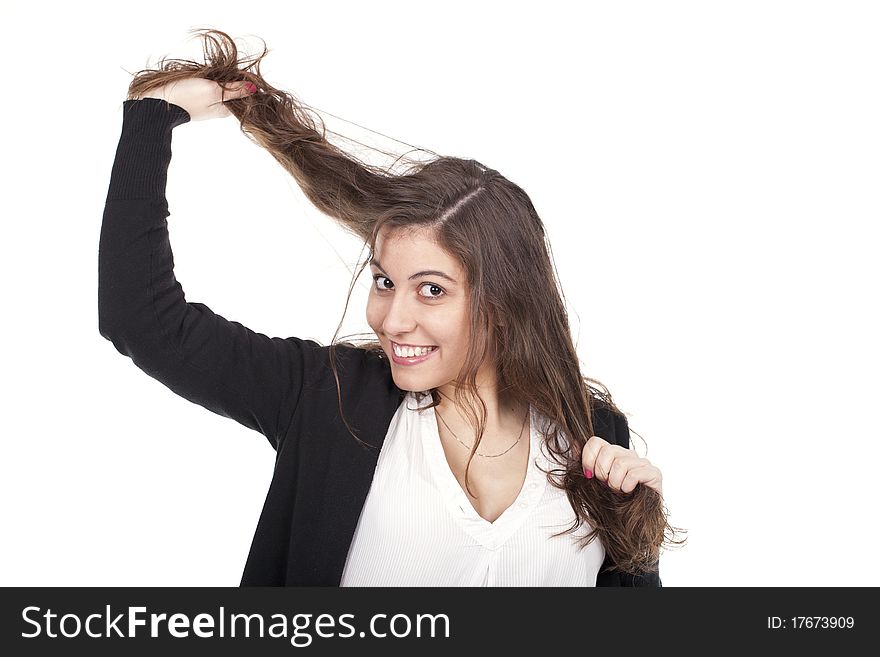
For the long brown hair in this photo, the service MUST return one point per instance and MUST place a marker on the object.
(491, 226)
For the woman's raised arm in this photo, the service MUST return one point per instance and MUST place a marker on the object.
(218, 364)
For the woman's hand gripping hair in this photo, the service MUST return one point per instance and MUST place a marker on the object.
(621, 469)
(201, 98)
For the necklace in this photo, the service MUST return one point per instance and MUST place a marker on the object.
(486, 455)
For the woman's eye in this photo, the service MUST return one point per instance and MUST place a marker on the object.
(436, 290)
(376, 279)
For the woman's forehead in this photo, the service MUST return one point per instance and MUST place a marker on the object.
(412, 251)
(404, 242)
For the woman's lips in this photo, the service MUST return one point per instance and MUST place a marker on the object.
(415, 360)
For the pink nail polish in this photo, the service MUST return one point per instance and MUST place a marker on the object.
(588, 474)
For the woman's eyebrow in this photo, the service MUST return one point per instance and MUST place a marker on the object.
(427, 272)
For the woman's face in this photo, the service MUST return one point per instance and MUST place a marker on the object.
(418, 297)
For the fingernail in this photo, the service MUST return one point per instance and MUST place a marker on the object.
(588, 474)
(251, 87)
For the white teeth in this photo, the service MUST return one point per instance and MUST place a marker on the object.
(410, 352)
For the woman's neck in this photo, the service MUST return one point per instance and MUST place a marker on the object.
(505, 417)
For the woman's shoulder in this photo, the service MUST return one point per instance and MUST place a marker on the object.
(358, 368)
(609, 422)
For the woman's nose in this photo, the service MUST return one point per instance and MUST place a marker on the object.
(399, 320)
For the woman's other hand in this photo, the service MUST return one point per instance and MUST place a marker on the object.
(201, 98)
(618, 467)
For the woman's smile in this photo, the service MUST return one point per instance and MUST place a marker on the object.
(410, 354)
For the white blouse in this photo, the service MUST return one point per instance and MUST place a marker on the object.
(418, 528)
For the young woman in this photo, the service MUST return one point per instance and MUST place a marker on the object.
(462, 446)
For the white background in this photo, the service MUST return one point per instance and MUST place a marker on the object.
(708, 175)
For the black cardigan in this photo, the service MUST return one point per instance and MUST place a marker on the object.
(281, 387)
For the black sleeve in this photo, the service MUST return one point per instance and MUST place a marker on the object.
(617, 426)
(206, 359)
